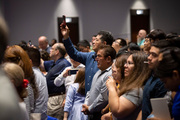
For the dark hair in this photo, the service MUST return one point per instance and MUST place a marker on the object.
(54, 41)
(133, 46)
(45, 55)
(3, 37)
(171, 35)
(175, 41)
(77, 48)
(83, 43)
(161, 43)
(170, 61)
(23, 44)
(157, 34)
(122, 51)
(123, 42)
(34, 55)
(80, 78)
(108, 51)
(106, 36)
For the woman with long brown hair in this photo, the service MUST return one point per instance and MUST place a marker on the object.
(118, 77)
(18, 56)
(75, 98)
(126, 104)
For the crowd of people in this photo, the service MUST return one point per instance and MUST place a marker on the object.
(112, 79)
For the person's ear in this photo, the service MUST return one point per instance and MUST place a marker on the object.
(57, 52)
(175, 75)
(108, 59)
(31, 62)
(105, 43)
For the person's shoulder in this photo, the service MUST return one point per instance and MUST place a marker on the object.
(8, 100)
(90, 55)
(66, 62)
(81, 66)
(49, 62)
(74, 86)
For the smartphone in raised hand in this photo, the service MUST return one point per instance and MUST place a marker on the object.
(64, 22)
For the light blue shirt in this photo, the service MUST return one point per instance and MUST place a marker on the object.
(97, 97)
(88, 59)
(41, 101)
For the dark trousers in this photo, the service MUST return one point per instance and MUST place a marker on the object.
(95, 116)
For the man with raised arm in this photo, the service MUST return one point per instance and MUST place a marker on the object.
(88, 59)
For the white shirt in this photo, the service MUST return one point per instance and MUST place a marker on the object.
(60, 80)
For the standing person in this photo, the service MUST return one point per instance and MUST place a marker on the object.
(127, 104)
(84, 46)
(9, 107)
(41, 101)
(154, 35)
(154, 87)
(141, 38)
(16, 75)
(17, 55)
(96, 98)
(92, 39)
(54, 68)
(118, 44)
(53, 41)
(168, 70)
(66, 79)
(44, 44)
(75, 98)
(118, 76)
(88, 59)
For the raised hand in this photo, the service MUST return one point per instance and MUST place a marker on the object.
(64, 31)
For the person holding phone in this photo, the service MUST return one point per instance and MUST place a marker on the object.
(88, 59)
(66, 78)
(75, 98)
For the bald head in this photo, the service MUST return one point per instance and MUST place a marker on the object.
(43, 42)
(142, 34)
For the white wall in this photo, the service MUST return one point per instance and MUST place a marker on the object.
(29, 19)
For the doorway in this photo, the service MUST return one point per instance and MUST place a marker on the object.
(73, 24)
(139, 20)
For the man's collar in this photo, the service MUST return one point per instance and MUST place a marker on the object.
(94, 56)
(57, 61)
(107, 69)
